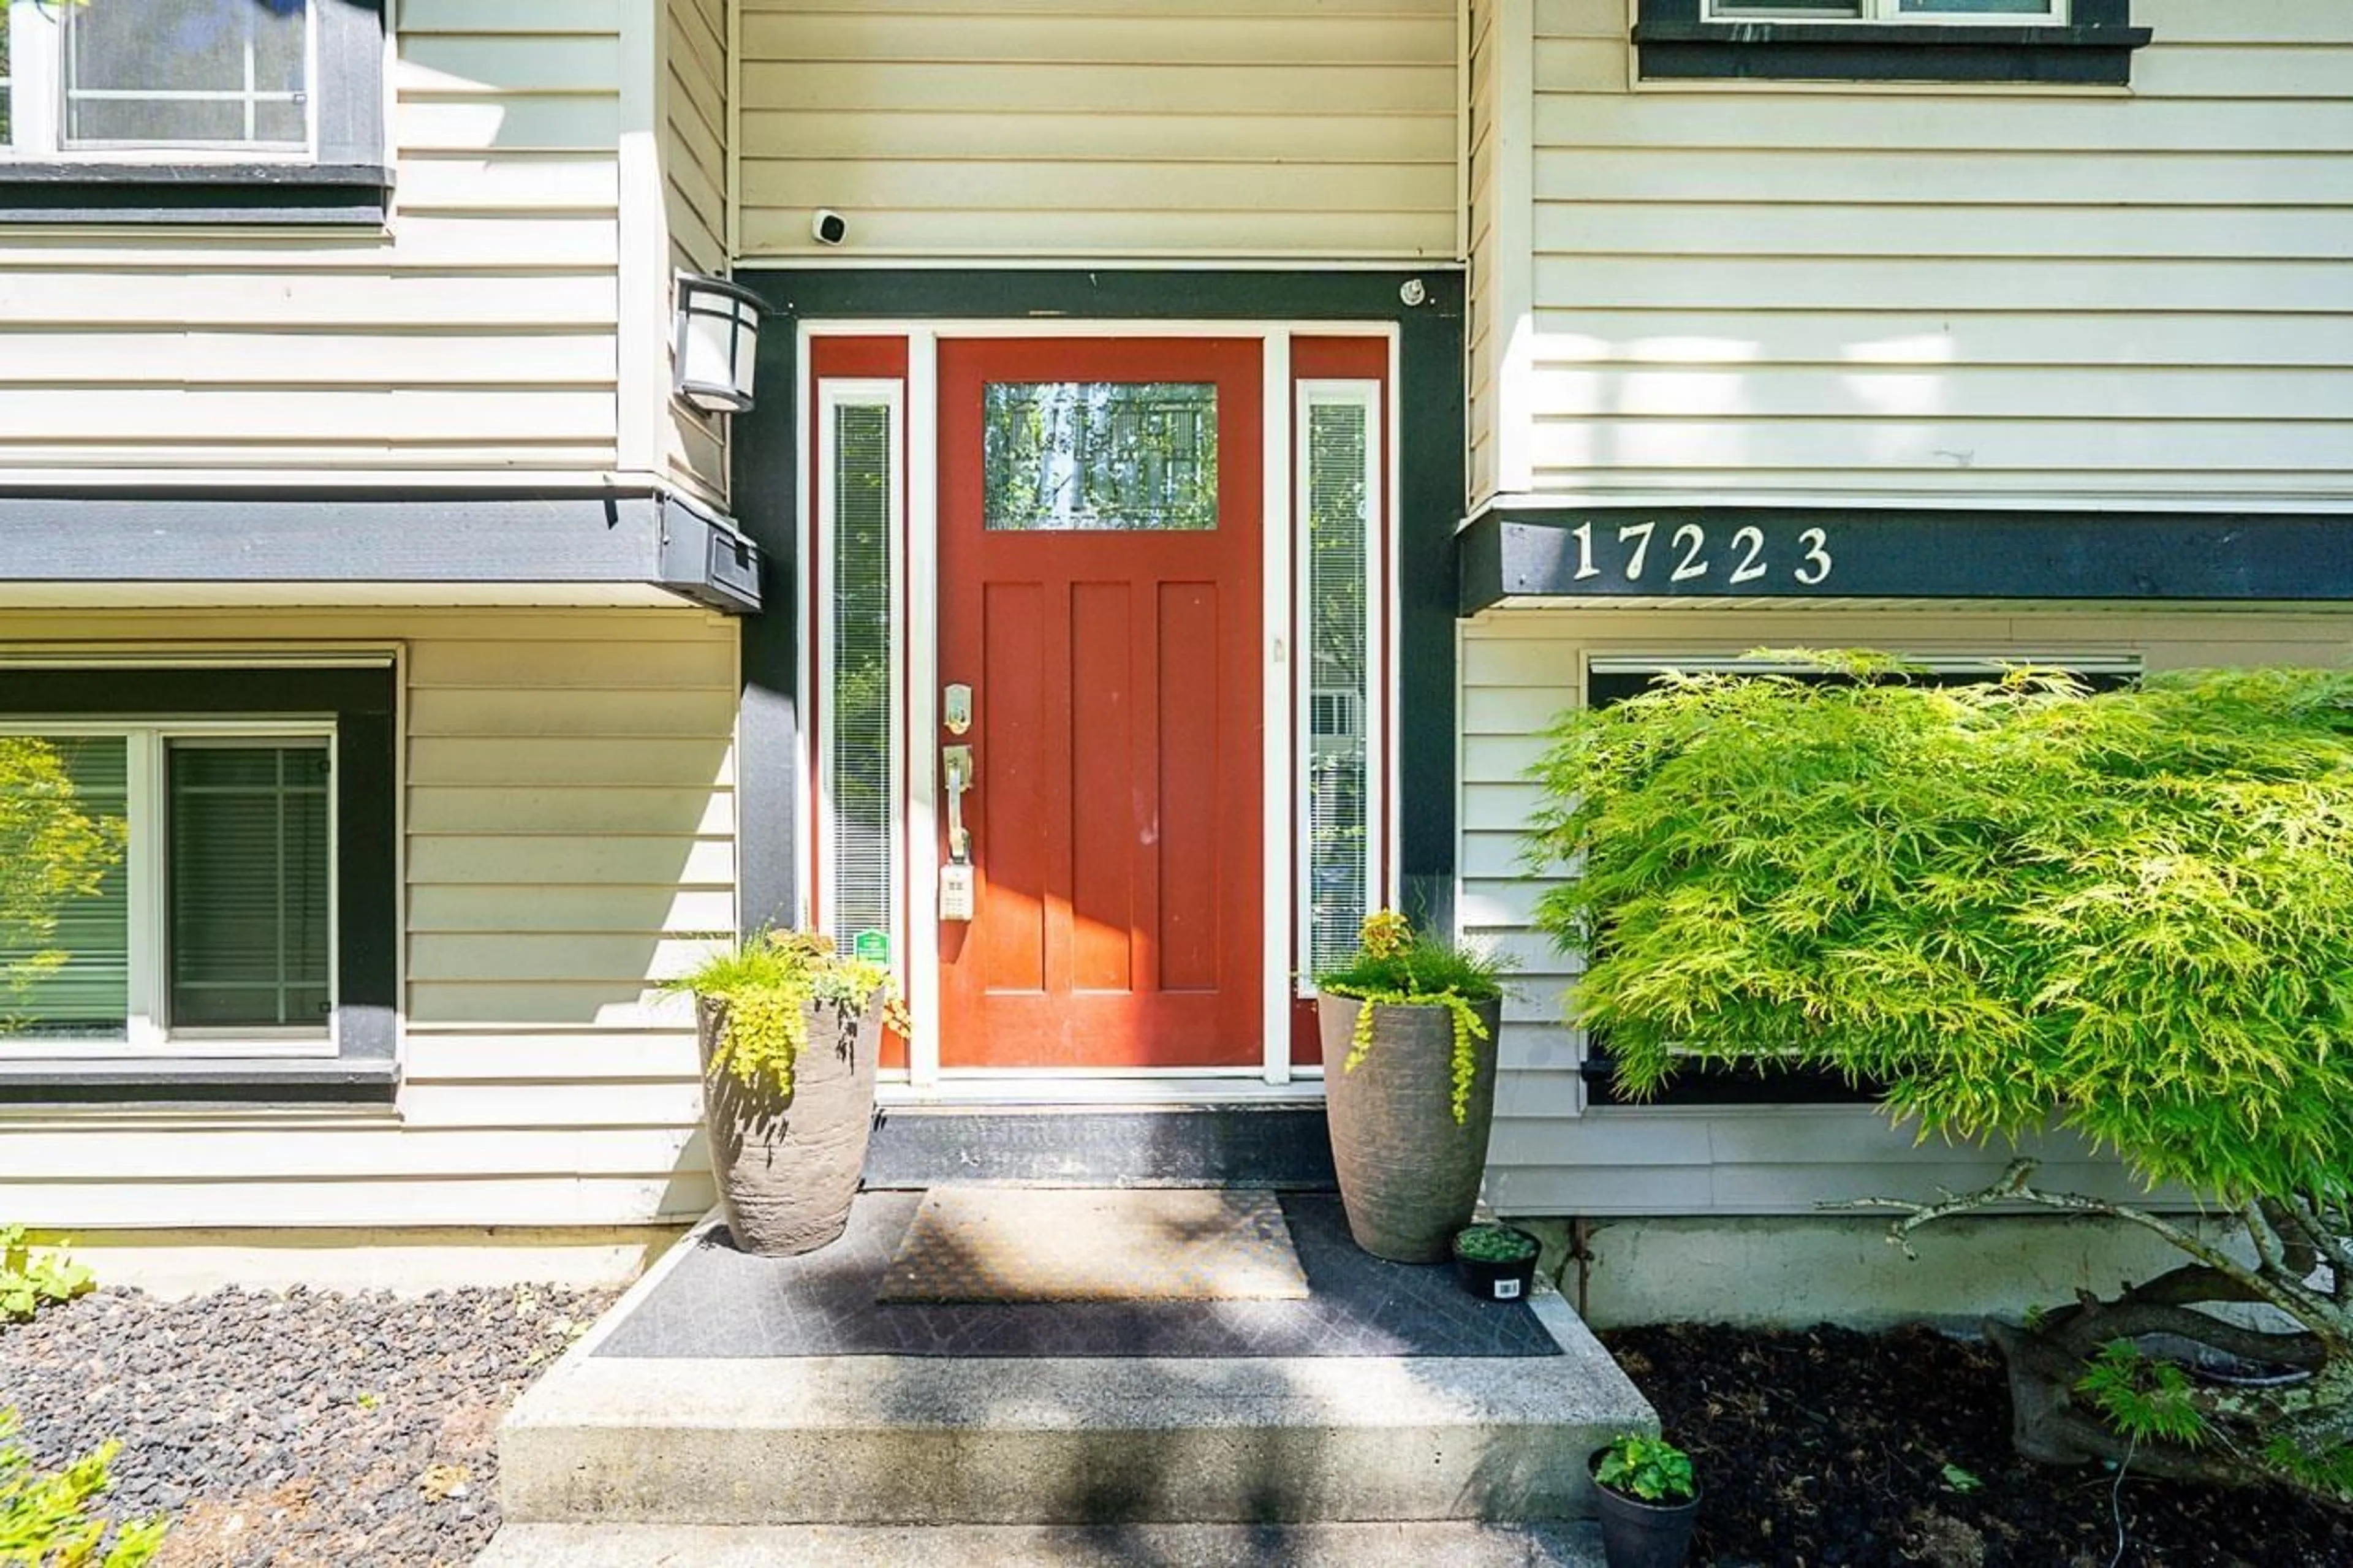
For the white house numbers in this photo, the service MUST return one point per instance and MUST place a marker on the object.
(1688, 555)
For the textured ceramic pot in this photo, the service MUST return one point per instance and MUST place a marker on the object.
(788, 1165)
(1408, 1172)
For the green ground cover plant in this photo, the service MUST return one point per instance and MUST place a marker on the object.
(2014, 905)
(768, 983)
(30, 1281)
(48, 1519)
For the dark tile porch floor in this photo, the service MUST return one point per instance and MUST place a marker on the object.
(718, 1302)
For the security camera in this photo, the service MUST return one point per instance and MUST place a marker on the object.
(828, 227)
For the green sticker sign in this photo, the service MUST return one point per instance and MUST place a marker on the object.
(872, 946)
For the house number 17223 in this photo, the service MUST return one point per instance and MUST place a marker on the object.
(1685, 556)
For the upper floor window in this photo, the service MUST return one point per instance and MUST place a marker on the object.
(2086, 43)
(179, 77)
(191, 111)
(2053, 11)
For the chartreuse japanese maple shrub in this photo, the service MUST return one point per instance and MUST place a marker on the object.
(48, 1521)
(2013, 904)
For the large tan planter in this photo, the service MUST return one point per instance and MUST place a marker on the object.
(787, 1166)
(1408, 1174)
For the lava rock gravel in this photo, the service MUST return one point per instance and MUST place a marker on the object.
(307, 1427)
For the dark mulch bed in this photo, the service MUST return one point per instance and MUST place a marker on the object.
(295, 1429)
(1829, 1447)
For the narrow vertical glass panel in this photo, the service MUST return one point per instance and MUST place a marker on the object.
(1100, 456)
(188, 73)
(248, 888)
(865, 841)
(1339, 534)
(65, 893)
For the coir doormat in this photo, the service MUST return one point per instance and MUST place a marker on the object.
(1004, 1244)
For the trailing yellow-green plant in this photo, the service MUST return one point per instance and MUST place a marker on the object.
(47, 1520)
(766, 986)
(1395, 966)
(30, 1281)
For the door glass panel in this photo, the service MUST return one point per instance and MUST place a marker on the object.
(1100, 456)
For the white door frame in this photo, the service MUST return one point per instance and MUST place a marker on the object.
(1273, 1076)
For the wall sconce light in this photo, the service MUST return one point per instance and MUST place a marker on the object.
(718, 335)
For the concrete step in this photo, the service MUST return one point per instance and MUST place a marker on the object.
(1458, 1545)
(634, 1434)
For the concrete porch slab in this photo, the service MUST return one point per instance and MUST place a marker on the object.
(1456, 1545)
(941, 1440)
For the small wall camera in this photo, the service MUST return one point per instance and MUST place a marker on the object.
(828, 227)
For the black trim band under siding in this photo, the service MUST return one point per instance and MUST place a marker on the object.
(557, 537)
(367, 904)
(1577, 551)
(1430, 401)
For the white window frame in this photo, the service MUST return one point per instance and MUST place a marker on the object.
(36, 57)
(2053, 14)
(149, 1031)
(833, 394)
(1366, 394)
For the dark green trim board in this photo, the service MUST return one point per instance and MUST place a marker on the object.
(362, 701)
(2095, 49)
(348, 183)
(362, 536)
(1430, 466)
(1821, 553)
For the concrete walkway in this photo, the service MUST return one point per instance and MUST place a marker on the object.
(1417, 1545)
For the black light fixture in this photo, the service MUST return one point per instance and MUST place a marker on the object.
(718, 333)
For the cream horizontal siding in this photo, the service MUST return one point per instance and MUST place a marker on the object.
(1246, 128)
(1482, 345)
(569, 817)
(1520, 669)
(695, 117)
(1770, 292)
(478, 335)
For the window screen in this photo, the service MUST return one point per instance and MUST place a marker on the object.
(181, 73)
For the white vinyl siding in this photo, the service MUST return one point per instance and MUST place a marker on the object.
(479, 335)
(1522, 668)
(695, 114)
(1101, 127)
(1995, 295)
(568, 804)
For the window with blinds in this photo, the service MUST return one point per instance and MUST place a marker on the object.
(860, 694)
(247, 893)
(158, 885)
(1339, 471)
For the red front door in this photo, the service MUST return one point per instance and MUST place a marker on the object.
(1100, 594)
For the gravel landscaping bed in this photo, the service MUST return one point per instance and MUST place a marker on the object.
(1829, 1447)
(294, 1429)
